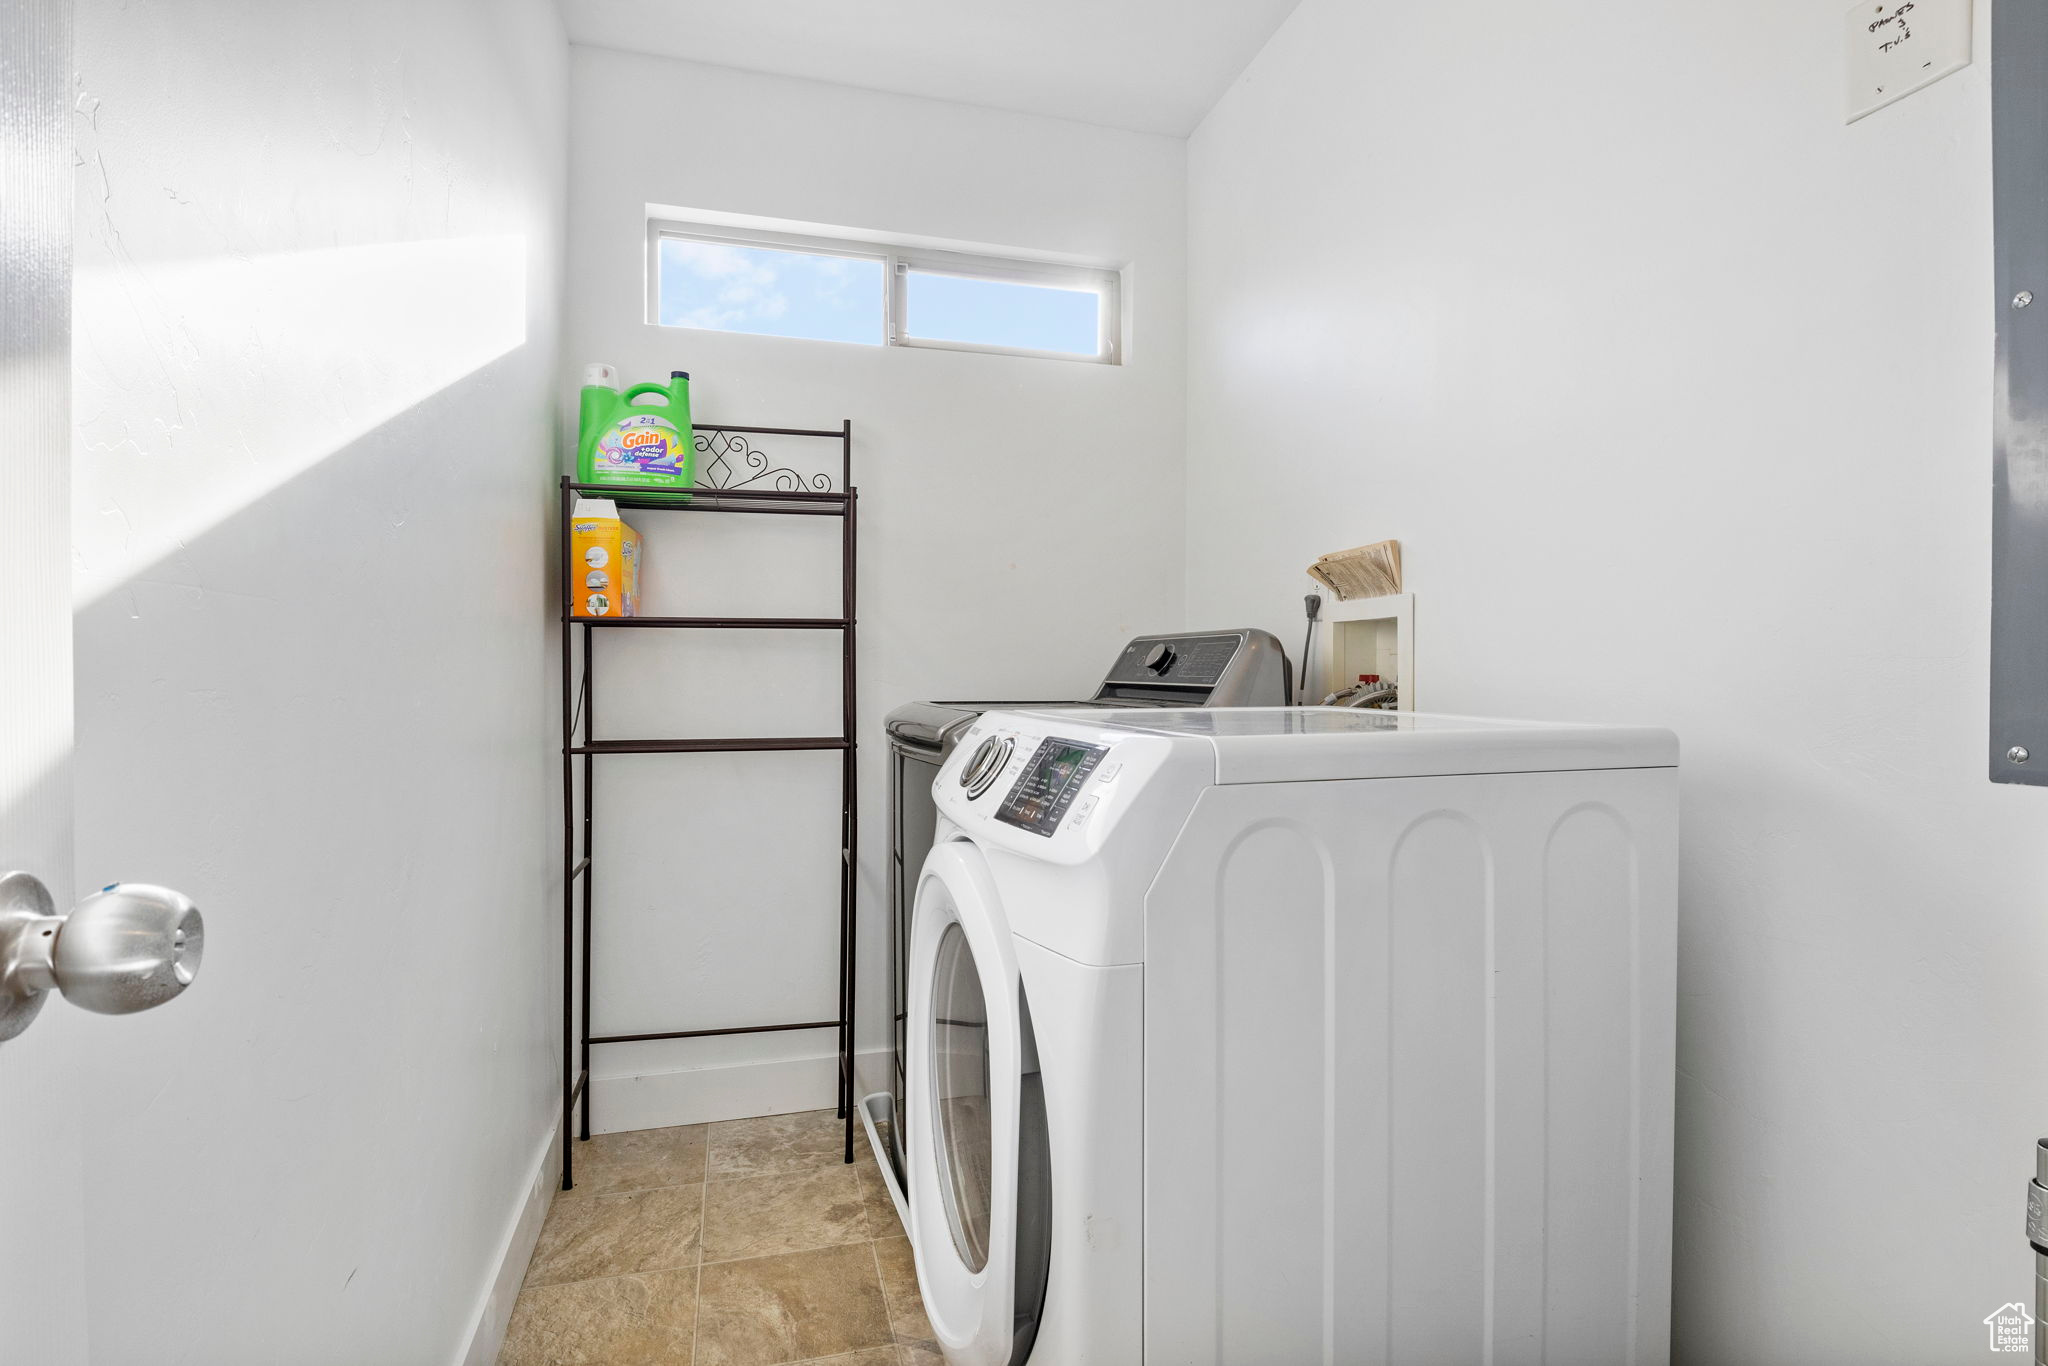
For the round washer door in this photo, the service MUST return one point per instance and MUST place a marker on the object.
(966, 1045)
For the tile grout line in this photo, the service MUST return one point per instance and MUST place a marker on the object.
(888, 1305)
(867, 1215)
(875, 1254)
(639, 1190)
(703, 1209)
(787, 1252)
(608, 1276)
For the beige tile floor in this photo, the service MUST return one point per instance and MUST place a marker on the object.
(746, 1243)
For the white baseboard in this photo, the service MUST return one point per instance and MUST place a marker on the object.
(494, 1315)
(873, 1070)
(703, 1095)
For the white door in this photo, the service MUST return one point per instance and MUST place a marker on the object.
(980, 1194)
(42, 1289)
(134, 946)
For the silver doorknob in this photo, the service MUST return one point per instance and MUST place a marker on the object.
(124, 948)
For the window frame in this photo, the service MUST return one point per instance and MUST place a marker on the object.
(898, 261)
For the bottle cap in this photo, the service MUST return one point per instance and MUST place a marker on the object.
(679, 374)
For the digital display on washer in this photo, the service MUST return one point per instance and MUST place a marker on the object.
(1041, 797)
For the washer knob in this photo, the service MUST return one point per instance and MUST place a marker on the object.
(1160, 659)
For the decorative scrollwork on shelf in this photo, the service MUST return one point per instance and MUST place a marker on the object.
(717, 452)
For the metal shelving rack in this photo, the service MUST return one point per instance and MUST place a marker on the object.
(793, 495)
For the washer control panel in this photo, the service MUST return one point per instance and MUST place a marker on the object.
(1196, 661)
(1052, 778)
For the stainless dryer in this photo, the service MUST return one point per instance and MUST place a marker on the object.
(1241, 668)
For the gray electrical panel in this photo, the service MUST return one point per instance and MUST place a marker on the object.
(2019, 478)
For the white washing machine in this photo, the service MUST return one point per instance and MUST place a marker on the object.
(1293, 1035)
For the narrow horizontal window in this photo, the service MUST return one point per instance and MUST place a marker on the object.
(1006, 314)
(732, 279)
(770, 291)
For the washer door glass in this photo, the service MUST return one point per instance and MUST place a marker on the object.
(960, 1096)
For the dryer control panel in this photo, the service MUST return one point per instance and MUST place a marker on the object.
(1074, 815)
(1034, 782)
(1044, 783)
(1052, 779)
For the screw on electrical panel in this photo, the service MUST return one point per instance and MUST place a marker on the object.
(2023, 298)
(2018, 754)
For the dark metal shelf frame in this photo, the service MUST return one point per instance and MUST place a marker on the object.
(725, 623)
(579, 714)
(711, 745)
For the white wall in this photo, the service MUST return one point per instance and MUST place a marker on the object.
(1019, 520)
(316, 360)
(1676, 392)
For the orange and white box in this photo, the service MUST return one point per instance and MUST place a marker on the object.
(604, 561)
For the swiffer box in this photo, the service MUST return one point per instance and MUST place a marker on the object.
(604, 561)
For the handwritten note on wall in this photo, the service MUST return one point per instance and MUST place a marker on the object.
(1899, 46)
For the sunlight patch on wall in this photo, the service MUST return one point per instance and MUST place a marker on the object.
(200, 386)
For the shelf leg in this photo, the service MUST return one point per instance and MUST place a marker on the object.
(849, 862)
(568, 845)
(589, 873)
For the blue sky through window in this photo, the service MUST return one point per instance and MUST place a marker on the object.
(1001, 313)
(772, 293)
(791, 292)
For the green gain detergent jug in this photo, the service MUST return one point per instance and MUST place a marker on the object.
(634, 444)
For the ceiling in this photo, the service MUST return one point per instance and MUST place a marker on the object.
(1151, 65)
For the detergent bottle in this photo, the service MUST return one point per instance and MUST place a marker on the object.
(624, 441)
